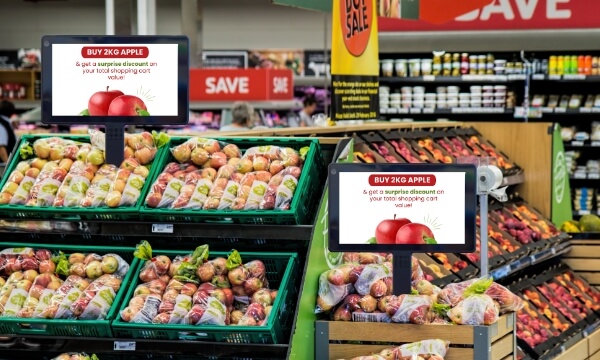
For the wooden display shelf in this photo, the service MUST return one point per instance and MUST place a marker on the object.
(587, 348)
(24, 77)
(495, 342)
(584, 259)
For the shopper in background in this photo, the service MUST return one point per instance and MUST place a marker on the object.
(242, 114)
(305, 115)
(8, 139)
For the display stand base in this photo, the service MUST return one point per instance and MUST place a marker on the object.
(402, 280)
(114, 143)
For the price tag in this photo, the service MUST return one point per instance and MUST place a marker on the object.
(547, 110)
(538, 77)
(415, 111)
(383, 110)
(429, 78)
(517, 77)
(574, 77)
(583, 212)
(579, 176)
(554, 77)
(560, 110)
(392, 110)
(594, 176)
(584, 110)
(124, 346)
(162, 228)
(596, 110)
(576, 143)
(428, 110)
(595, 143)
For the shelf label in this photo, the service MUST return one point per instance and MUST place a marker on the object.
(574, 77)
(124, 346)
(392, 110)
(403, 111)
(595, 143)
(428, 110)
(579, 176)
(554, 77)
(547, 110)
(415, 110)
(594, 176)
(583, 212)
(517, 77)
(162, 228)
(429, 78)
(584, 110)
(596, 110)
(560, 110)
(576, 143)
(538, 76)
(383, 110)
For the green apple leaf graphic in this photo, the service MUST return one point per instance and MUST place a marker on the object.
(143, 112)
(372, 241)
(430, 241)
(84, 112)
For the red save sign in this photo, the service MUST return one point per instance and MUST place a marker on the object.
(502, 15)
(240, 84)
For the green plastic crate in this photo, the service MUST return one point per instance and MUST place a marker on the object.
(282, 273)
(69, 328)
(92, 213)
(303, 205)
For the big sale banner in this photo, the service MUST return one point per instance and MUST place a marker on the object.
(124, 80)
(402, 208)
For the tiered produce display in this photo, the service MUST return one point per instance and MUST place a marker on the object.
(247, 297)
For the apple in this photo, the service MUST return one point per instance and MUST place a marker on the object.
(145, 155)
(77, 269)
(5, 198)
(96, 157)
(38, 163)
(11, 187)
(36, 291)
(415, 233)
(128, 152)
(32, 173)
(30, 274)
(54, 285)
(47, 266)
(127, 105)
(141, 171)
(110, 264)
(76, 258)
(24, 284)
(93, 270)
(100, 101)
(386, 231)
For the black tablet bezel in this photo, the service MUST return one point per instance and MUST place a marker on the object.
(183, 74)
(470, 207)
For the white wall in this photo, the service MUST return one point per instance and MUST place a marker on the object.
(227, 24)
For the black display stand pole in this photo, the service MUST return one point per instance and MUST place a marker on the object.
(114, 143)
(402, 281)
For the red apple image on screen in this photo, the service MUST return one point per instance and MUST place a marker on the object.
(415, 233)
(100, 102)
(387, 229)
(127, 105)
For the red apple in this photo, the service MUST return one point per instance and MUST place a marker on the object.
(126, 105)
(415, 234)
(99, 102)
(387, 229)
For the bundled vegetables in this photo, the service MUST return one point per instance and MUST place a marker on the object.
(423, 350)
(193, 290)
(209, 174)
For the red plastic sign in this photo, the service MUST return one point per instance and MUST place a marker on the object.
(356, 18)
(240, 84)
(500, 15)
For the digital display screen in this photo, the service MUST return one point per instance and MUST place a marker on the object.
(394, 207)
(105, 78)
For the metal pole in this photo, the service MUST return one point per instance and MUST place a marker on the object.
(151, 16)
(325, 53)
(142, 17)
(483, 234)
(109, 9)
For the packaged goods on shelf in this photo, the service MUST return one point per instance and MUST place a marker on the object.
(56, 175)
(175, 296)
(54, 293)
(435, 349)
(249, 180)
